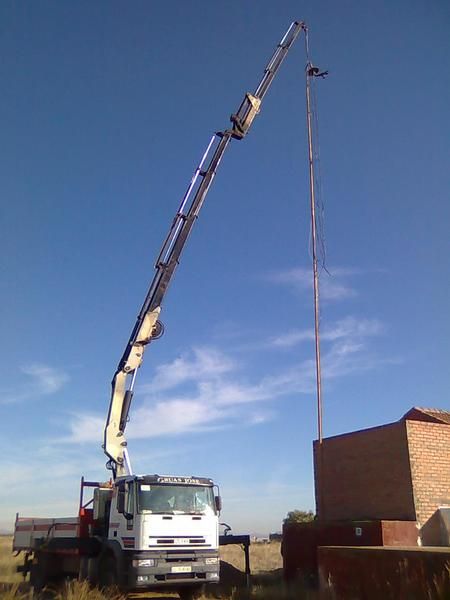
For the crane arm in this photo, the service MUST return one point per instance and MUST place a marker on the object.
(147, 326)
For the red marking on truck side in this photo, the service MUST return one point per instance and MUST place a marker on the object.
(47, 526)
(128, 542)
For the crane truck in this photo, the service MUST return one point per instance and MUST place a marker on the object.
(142, 532)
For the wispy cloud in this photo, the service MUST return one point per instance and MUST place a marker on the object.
(205, 390)
(40, 380)
(203, 363)
(334, 285)
(176, 416)
(43, 479)
(211, 405)
(261, 416)
(47, 379)
(350, 327)
(85, 427)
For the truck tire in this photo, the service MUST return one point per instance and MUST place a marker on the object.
(41, 570)
(107, 572)
(38, 577)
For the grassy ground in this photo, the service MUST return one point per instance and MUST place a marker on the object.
(7, 562)
(267, 583)
(265, 562)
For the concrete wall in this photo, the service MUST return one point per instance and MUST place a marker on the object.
(365, 475)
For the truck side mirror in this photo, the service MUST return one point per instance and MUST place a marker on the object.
(121, 504)
(218, 501)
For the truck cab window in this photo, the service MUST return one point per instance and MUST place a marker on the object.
(175, 499)
(130, 504)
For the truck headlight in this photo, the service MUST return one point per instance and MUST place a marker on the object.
(144, 562)
(211, 561)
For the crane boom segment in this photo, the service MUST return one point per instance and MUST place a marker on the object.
(147, 326)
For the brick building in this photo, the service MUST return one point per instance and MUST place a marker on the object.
(398, 471)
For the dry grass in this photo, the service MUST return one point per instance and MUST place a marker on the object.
(263, 557)
(265, 562)
(267, 582)
(76, 590)
(8, 562)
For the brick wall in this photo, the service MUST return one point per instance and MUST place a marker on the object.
(365, 475)
(429, 451)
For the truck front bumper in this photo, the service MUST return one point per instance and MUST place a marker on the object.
(164, 569)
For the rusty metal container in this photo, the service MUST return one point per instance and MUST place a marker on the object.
(301, 540)
(390, 573)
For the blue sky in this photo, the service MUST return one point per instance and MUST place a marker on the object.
(106, 109)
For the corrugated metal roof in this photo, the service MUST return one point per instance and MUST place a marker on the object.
(432, 415)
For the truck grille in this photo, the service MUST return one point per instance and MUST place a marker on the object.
(178, 541)
(172, 576)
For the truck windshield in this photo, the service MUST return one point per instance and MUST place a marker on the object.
(175, 499)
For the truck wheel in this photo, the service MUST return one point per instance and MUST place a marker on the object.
(38, 579)
(107, 576)
(38, 574)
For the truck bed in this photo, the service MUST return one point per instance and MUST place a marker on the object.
(29, 529)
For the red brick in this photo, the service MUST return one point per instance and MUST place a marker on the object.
(399, 471)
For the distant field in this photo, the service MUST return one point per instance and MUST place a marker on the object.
(265, 561)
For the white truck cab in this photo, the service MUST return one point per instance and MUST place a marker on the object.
(162, 530)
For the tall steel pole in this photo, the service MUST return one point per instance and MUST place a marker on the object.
(309, 74)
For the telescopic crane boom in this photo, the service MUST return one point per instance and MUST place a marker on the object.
(147, 327)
